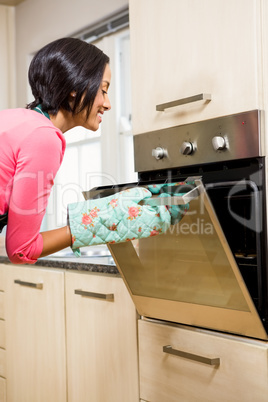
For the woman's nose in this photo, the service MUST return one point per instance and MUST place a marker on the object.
(107, 103)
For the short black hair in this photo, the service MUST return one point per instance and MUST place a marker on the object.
(63, 66)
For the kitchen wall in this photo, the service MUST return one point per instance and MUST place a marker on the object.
(39, 22)
(7, 57)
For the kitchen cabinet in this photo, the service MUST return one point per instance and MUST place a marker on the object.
(2, 337)
(35, 334)
(265, 65)
(102, 357)
(180, 49)
(58, 343)
(2, 389)
(234, 368)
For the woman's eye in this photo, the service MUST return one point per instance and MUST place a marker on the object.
(104, 92)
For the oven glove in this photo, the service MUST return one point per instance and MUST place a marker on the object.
(177, 212)
(116, 218)
(158, 188)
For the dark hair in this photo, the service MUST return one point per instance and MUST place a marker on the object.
(63, 66)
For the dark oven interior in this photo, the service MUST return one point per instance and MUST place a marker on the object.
(237, 192)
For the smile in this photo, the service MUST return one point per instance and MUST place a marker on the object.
(100, 116)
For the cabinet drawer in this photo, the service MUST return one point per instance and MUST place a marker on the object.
(2, 390)
(2, 334)
(2, 305)
(169, 377)
(2, 363)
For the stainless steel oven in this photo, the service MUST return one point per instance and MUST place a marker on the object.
(209, 270)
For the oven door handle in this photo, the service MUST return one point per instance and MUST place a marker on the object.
(182, 199)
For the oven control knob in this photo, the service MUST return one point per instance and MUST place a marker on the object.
(187, 148)
(218, 143)
(159, 153)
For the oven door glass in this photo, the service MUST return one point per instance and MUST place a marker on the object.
(189, 274)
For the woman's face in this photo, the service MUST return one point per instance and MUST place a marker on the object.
(101, 104)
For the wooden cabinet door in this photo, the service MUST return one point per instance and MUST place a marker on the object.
(101, 339)
(2, 311)
(2, 390)
(2, 335)
(188, 365)
(180, 49)
(35, 335)
(2, 277)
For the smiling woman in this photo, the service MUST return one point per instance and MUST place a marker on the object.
(69, 80)
(105, 156)
(91, 120)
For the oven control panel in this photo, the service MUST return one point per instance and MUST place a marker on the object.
(221, 139)
(187, 148)
(219, 143)
(159, 153)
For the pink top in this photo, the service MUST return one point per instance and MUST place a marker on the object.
(31, 152)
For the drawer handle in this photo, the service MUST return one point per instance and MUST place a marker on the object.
(183, 101)
(29, 284)
(212, 362)
(108, 297)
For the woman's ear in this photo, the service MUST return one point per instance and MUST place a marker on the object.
(72, 99)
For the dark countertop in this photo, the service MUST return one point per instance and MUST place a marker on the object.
(97, 259)
(89, 266)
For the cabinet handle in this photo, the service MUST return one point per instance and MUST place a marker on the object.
(183, 101)
(29, 284)
(212, 362)
(109, 297)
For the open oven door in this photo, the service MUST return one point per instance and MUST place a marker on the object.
(189, 274)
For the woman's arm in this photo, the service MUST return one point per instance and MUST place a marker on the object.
(38, 159)
(55, 240)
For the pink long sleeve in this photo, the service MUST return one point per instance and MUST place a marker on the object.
(32, 153)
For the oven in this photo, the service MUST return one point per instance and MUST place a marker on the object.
(210, 269)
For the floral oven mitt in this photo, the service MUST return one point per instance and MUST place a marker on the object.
(170, 189)
(116, 218)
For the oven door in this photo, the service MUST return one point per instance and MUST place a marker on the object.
(189, 275)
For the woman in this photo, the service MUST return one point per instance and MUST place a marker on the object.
(69, 79)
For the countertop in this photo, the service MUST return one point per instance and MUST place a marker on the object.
(93, 259)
